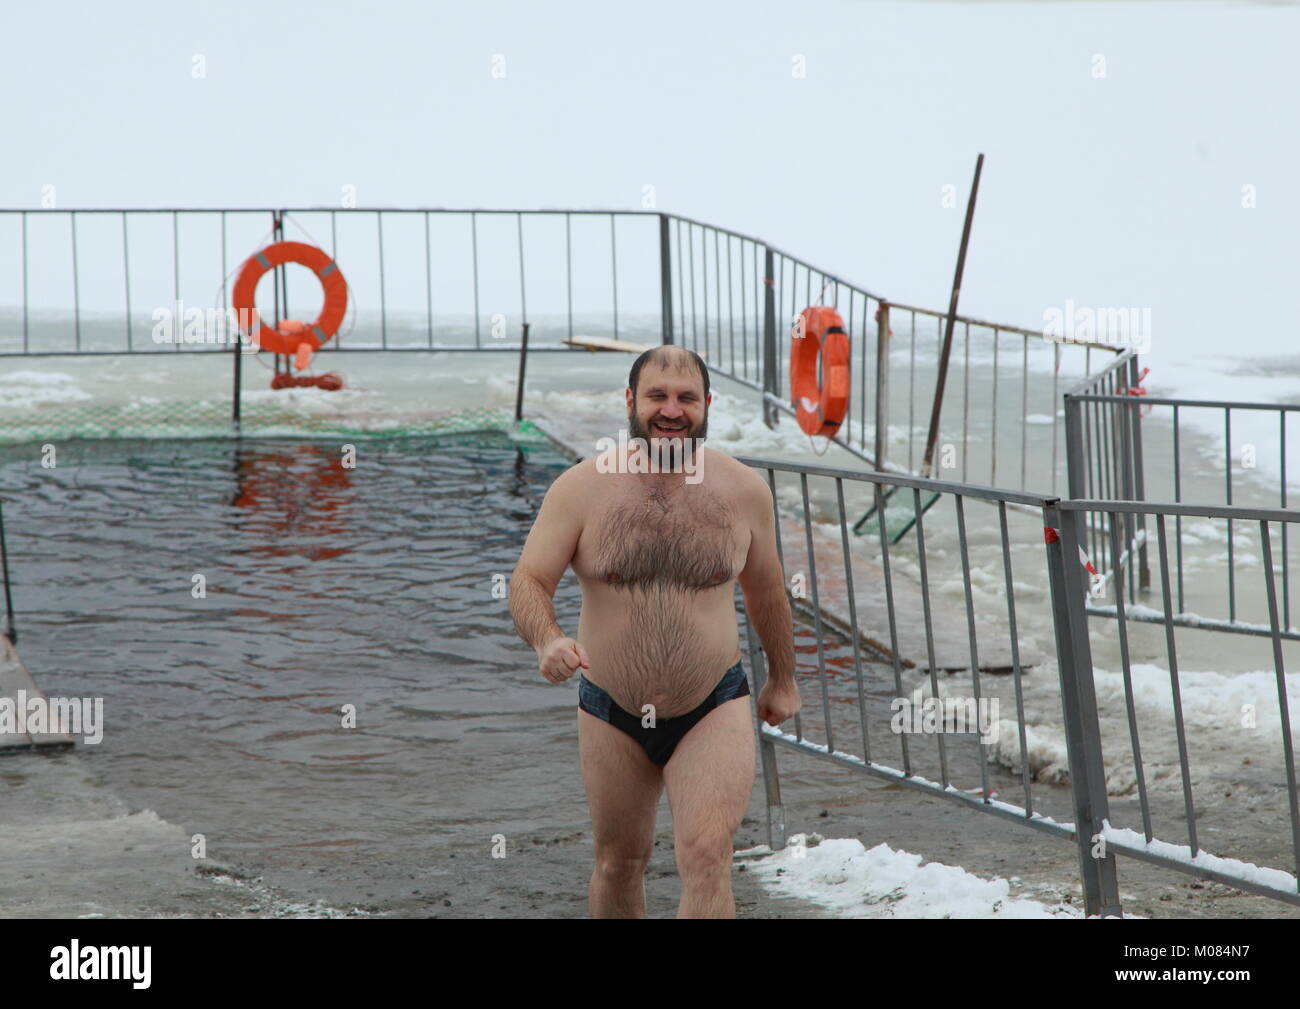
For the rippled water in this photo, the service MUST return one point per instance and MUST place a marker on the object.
(326, 586)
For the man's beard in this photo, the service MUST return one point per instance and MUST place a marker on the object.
(672, 452)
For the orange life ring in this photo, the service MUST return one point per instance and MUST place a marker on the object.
(290, 335)
(819, 336)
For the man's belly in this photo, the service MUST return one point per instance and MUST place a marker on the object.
(658, 646)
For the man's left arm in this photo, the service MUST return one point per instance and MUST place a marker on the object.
(763, 584)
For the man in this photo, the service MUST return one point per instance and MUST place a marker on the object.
(662, 694)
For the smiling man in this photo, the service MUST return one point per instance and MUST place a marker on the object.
(662, 695)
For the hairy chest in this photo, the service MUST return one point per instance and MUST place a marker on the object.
(689, 538)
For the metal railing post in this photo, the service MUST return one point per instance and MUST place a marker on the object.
(770, 377)
(1079, 708)
(665, 279)
(1074, 459)
(76, 280)
(11, 632)
(882, 385)
(1121, 450)
(767, 750)
(523, 367)
(383, 298)
(238, 351)
(1122, 481)
(1139, 488)
(277, 235)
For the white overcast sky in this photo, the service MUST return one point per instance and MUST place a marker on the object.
(1124, 190)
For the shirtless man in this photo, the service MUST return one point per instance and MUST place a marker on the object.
(662, 694)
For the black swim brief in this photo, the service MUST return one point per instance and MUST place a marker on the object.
(660, 742)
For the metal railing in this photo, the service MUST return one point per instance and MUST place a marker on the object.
(857, 682)
(734, 299)
(87, 282)
(431, 278)
(1117, 455)
(1233, 717)
(1103, 435)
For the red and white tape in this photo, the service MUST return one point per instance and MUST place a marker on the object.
(1050, 535)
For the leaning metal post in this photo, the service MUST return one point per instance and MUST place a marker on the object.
(1079, 707)
(767, 750)
(882, 386)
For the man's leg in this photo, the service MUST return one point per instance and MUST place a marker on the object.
(623, 787)
(709, 779)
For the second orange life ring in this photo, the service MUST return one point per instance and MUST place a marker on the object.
(290, 335)
(819, 336)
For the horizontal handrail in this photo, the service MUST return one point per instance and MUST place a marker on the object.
(312, 210)
(1018, 330)
(1235, 512)
(903, 480)
(1218, 404)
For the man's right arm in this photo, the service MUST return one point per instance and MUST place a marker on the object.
(550, 547)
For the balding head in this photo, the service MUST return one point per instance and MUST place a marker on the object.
(672, 358)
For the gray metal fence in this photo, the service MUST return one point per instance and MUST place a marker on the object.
(735, 299)
(1125, 445)
(1103, 435)
(90, 281)
(1201, 780)
(84, 282)
(862, 675)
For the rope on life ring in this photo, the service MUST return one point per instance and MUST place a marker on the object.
(331, 381)
(819, 337)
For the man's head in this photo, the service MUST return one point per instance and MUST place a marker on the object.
(668, 396)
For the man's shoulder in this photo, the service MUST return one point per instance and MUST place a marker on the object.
(577, 475)
(745, 480)
(581, 480)
(574, 480)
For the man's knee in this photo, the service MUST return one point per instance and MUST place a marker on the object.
(618, 864)
(705, 856)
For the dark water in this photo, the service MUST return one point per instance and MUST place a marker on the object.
(326, 586)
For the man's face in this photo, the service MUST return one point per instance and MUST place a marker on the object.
(669, 404)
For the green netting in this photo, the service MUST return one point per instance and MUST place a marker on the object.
(208, 419)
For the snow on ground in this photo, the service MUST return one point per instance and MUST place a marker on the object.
(1044, 749)
(1237, 710)
(1210, 700)
(1263, 876)
(854, 882)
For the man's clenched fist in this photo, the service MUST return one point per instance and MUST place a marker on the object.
(559, 659)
